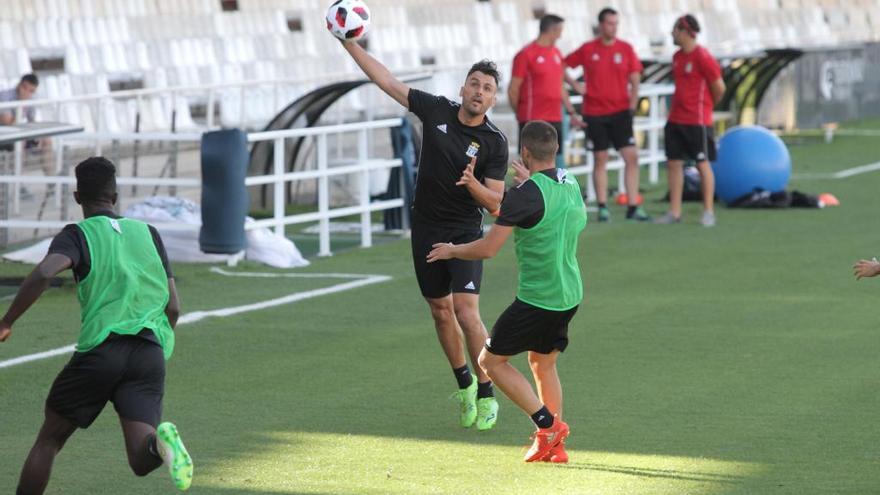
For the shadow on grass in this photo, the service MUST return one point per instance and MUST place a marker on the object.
(673, 474)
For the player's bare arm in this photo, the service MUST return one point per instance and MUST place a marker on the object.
(489, 195)
(32, 288)
(717, 89)
(513, 91)
(378, 73)
(480, 249)
(575, 85)
(172, 309)
(635, 79)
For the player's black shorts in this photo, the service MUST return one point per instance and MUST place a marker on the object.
(523, 327)
(125, 369)
(689, 142)
(607, 130)
(440, 278)
(556, 125)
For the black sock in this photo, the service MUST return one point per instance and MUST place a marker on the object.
(630, 211)
(602, 205)
(152, 448)
(485, 390)
(463, 376)
(543, 418)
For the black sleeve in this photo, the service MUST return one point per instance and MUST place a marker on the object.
(160, 247)
(523, 206)
(423, 104)
(69, 242)
(496, 167)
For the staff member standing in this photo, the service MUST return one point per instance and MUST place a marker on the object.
(689, 136)
(536, 87)
(612, 72)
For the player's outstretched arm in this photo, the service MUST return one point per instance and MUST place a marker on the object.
(32, 288)
(172, 309)
(866, 268)
(378, 73)
(480, 249)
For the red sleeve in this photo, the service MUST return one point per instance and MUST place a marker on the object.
(574, 58)
(635, 65)
(520, 65)
(709, 67)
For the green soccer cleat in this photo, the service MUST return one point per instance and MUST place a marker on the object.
(604, 215)
(467, 398)
(174, 454)
(487, 413)
(639, 216)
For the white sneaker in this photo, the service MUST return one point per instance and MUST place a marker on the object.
(708, 219)
(667, 219)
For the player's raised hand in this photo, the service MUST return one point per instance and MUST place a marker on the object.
(866, 268)
(441, 251)
(467, 177)
(5, 331)
(522, 172)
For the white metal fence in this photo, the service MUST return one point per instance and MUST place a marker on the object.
(278, 179)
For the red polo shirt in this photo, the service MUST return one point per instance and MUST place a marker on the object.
(606, 75)
(540, 96)
(693, 72)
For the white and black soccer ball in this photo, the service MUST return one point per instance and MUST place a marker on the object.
(348, 20)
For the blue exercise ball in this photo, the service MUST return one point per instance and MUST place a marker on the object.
(750, 158)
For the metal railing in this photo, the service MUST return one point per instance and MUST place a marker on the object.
(278, 179)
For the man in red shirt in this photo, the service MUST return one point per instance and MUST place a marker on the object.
(689, 136)
(536, 87)
(612, 72)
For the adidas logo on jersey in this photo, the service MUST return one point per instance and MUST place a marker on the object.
(442, 128)
(470, 286)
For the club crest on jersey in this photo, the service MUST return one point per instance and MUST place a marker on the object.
(689, 67)
(618, 58)
(473, 149)
(595, 57)
(557, 59)
(540, 59)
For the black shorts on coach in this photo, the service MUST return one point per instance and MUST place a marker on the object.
(689, 142)
(441, 278)
(556, 125)
(523, 327)
(127, 370)
(605, 131)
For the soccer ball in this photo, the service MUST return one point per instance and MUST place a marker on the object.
(348, 20)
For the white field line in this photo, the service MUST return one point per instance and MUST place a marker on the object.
(195, 316)
(842, 174)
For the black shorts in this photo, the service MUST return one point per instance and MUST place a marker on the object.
(125, 369)
(523, 327)
(607, 130)
(440, 278)
(689, 142)
(556, 125)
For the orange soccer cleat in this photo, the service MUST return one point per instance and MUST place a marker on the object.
(545, 439)
(557, 454)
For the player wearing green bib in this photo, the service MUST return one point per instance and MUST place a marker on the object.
(546, 215)
(128, 309)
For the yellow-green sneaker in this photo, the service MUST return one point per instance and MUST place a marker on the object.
(467, 398)
(487, 413)
(172, 451)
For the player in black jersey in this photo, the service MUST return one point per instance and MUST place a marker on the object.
(461, 170)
